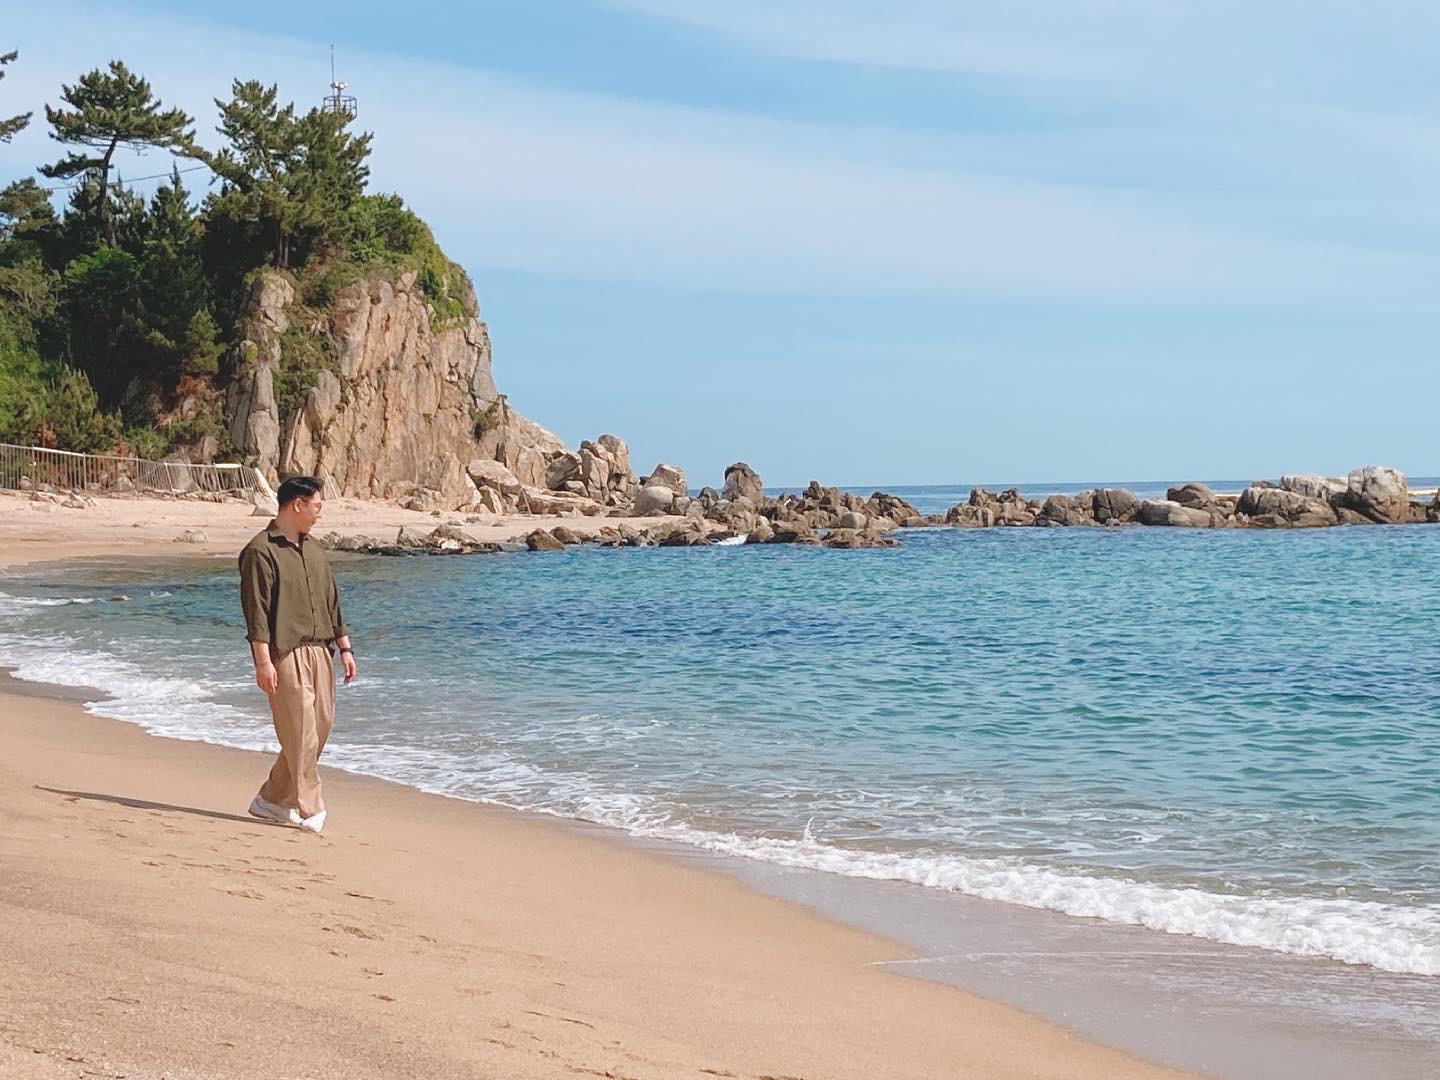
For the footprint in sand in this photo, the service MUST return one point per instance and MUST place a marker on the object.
(565, 1019)
(354, 931)
(363, 896)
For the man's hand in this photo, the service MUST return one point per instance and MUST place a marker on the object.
(266, 677)
(347, 662)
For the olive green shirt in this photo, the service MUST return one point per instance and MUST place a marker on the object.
(287, 592)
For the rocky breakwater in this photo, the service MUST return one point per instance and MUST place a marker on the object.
(511, 475)
(824, 516)
(1373, 494)
(596, 480)
(738, 513)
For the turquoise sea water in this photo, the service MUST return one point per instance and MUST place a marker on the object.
(1228, 734)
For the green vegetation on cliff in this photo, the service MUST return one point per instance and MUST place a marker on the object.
(119, 314)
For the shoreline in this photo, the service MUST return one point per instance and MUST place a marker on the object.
(36, 529)
(1185, 1004)
(34, 532)
(416, 916)
(1064, 970)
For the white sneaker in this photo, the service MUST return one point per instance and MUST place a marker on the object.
(269, 811)
(314, 823)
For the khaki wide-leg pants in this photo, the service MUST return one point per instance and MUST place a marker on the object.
(303, 707)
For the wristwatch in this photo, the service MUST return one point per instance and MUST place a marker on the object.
(346, 648)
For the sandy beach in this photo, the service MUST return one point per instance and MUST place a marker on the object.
(150, 929)
(34, 530)
(709, 625)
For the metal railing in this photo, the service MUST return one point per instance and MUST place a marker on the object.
(33, 468)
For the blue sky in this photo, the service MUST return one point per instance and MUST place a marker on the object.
(889, 243)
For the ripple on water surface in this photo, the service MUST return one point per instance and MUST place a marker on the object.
(1227, 734)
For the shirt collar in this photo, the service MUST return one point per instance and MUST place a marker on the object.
(277, 535)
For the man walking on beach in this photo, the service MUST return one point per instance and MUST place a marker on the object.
(292, 619)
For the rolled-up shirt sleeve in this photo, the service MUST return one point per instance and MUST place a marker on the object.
(337, 619)
(257, 593)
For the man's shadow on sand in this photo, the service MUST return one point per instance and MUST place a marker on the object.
(145, 804)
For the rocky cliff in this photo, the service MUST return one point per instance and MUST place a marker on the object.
(373, 396)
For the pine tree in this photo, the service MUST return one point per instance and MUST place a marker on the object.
(25, 211)
(172, 221)
(71, 417)
(128, 216)
(292, 177)
(99, 292)
(15, 124)
(28, 299)
(172, 315)
(110, 110)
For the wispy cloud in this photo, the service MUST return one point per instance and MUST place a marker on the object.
(1044, 41)
(1177, 49)
(1288, 99)
(516, 175)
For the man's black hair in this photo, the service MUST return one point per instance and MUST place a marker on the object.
(297, 487)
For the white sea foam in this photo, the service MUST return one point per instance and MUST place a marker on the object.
(732, 541)
(180, 708)
(1387, 937)
(49, 601)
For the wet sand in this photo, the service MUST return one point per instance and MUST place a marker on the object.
(148, 927)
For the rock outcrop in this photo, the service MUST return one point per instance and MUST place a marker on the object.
(1271, 507)
(653, 499)
(1373, 494)
(598, 471)
(1114, 506)
(250, 406)
(1170, 512)
(667, 476)
(1314, 485)
(395, 406)
(392, 405)
(1378, 493)
(741, 479)
(1197, 496)
(1067, 510)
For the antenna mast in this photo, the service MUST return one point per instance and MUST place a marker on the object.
(339, 101)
